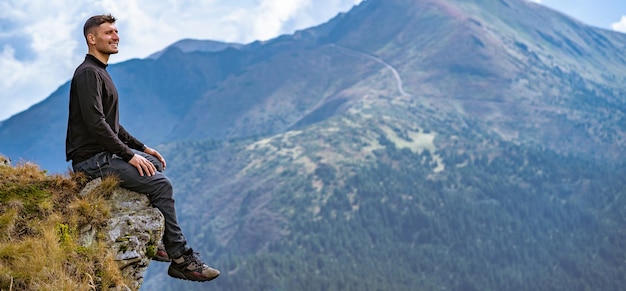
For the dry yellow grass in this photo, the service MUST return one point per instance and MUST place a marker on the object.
(40, 216)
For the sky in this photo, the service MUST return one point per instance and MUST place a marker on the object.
(41, 41)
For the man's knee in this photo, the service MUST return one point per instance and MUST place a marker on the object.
(152, 159)
(163, 187)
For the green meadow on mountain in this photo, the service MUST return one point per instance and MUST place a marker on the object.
(403, 145)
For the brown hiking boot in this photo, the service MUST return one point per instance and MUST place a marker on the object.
(190, 267)
(161, 254)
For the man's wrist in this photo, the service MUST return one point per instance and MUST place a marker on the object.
(144, 147)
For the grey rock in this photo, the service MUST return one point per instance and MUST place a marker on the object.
(134, 229)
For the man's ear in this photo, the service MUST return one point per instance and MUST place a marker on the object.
(91, 38)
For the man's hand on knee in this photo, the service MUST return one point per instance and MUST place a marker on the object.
(143, 165)
(156, 154)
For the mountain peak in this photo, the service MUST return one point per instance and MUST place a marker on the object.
(195, 45)
(513, 64)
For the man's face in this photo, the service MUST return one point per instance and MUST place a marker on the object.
(105, 38)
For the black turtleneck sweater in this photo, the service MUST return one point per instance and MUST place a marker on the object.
(93, 124)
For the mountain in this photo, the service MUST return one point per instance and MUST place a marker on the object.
(472, 60)
(406, 144)
(195, 45)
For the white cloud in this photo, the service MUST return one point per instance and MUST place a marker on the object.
(23, 82)
(620, 26)
(272, 14)
(56, 46)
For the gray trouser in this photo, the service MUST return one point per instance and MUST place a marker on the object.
(158, 188)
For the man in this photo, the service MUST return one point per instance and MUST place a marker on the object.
(99, 146)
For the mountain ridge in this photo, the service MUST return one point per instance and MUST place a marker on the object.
(196, 45)
(469, 49)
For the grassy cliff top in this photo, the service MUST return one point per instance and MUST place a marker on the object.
(40, 220)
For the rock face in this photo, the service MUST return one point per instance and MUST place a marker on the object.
(133, 231)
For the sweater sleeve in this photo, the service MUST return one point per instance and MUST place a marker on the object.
(130, 140)
(89, 88)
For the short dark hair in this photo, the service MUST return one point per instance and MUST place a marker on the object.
(96, 20)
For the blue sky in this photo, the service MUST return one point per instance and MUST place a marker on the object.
(600, 13)
(41, 41)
